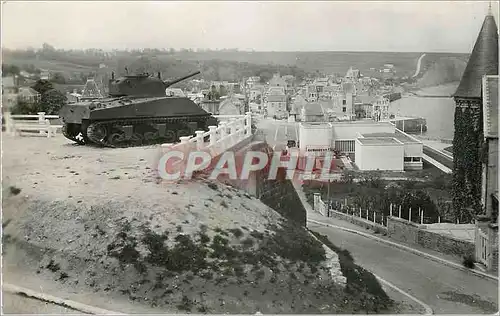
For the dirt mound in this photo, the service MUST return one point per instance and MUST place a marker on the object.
(442, 71)
(98, 221)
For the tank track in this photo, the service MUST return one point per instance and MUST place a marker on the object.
(76, 138)
(142, 131)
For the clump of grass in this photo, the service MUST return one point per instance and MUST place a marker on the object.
(224, 204)
(236, 232)
(14, 191)
(469, 262)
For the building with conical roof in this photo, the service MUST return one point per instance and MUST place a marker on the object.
(475, 145)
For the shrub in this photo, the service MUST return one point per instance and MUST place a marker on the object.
(469, 262)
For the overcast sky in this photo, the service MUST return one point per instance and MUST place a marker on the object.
(429, 26)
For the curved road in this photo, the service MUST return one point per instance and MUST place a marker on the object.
(445, 289)
(419, 63)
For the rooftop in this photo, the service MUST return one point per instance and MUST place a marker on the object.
(397, 135)
(379, 141)
(483, 60)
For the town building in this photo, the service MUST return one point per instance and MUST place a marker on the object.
(230, 106)
(28, 95)
(9, 93)
(276, 102)
(475, 158)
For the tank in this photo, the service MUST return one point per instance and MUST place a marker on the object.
(136, 112)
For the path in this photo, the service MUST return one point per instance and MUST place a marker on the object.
(444, 289)
(419, 63)
(437, 164)
(16, 304)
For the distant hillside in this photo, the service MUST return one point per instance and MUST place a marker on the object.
(439, 70)
(227, 65)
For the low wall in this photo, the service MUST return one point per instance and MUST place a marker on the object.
(412, 233)
(278, 194)
(358, 221)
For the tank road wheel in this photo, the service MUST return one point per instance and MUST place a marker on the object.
(183, 132)
(115, 139)
(169, 136)
(150, 136)
(137, 139)
(100, 132)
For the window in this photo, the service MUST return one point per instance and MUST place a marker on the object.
(344, 109)
(416, 159)
(407, 159)
(344, 102)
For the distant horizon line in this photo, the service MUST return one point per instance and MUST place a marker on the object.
(241, 50)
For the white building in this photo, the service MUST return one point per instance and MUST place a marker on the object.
(345, 133)
(382, 153)
(412, 150)
(315, 137)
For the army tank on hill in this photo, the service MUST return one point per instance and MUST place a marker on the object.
(136, 112)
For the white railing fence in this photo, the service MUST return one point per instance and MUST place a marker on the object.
(14, 124)
(232, 130)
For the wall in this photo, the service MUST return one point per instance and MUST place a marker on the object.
(315, 135)
(278, 194)
(492, 174)
(350, 130)
(358, 221)
(413, 150)
(412, 233)
(380, 156)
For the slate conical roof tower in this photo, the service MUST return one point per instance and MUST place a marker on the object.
(468, 136)
(483, 60)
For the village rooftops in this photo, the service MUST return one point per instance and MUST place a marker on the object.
(379, 141)
(404, 138)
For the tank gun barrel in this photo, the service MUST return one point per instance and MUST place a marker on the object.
(170, 83)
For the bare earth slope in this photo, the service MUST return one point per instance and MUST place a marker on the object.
(98, 221)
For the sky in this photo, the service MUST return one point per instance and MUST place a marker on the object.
(406, 26)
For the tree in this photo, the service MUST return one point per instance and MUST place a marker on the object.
(42, 86)
(8, 70)
(58, 78)
(52, 101)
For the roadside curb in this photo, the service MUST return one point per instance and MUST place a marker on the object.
(414, 251)
(427, 308)
(17, 290)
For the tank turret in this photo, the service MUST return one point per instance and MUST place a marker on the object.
(142, 85)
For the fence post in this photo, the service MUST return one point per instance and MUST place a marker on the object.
(9, 128)
(213, 135)
(421, 216)
(399, 211)
(360, 212)
(41, 121)
(248, 126)
(199, 140)
(439, 219)
(409, 215)
(390, 209)
(374, 217)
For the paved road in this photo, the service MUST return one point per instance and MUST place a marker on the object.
(16, 304)
(445, 289)
(278, 132)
